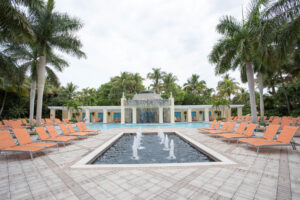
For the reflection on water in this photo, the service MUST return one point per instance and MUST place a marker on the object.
(121, 152)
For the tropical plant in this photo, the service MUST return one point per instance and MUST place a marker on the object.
(14, 24)
(156, 76)
(220, 104)
(28, 55)
(194, 86)
(237, 47)
(227, 87)
(70, 90)
(53, 30)
(169, 83)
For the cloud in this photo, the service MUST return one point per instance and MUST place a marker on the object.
(136, 36)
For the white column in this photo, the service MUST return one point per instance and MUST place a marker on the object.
(52, 114)
(123, 99)
(104, 116)
(229, 112)
(87, 116)
(206, 114)
(69, 114)
(123, 115)
(240, 111)
(223, 112)
(172, 114)
(160, 115)
(172, 109)
(189, 113)
(134, 115)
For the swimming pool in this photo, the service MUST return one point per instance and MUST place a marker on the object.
(182, 125)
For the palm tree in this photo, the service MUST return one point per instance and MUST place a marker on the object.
(11, 81)
(138, 83)
(236, 48)
(14, 25)
(28, 54)
(194, 86)
(70, 90)
(124, 81)
(156, 76)
(279, 38)
(169, 82)
(53, 30)
(227, 87)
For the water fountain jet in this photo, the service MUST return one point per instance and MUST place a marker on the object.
(171, 152)
(135, 149)
(166, 148)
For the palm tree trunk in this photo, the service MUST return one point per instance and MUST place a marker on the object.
(40, 88)
(32, 99)
(250, 78)
(261, 96)
(288, 103)
(3, 102)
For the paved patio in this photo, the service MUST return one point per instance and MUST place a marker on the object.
(274, 173)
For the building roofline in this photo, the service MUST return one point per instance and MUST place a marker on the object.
(96, 108)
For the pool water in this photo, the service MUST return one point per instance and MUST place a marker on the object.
(121, 151)
(182, 125)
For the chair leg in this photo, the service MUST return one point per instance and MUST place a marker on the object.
(31, 156)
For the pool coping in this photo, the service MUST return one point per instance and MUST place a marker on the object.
(84, 163)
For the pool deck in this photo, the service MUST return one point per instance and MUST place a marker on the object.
(274, 173)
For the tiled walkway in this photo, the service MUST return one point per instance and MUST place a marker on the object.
(274, 173)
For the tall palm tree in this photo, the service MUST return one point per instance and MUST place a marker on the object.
(14, 25)
(156, 76)
(53, 30)
(70, 90)
(194, 86)
(138, 83)
(279, 38)
(236, 48)
(169, 82)
(11, 80)
(227, 87)
(27, 53)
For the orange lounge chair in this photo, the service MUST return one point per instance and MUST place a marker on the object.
(248, 133)
(276, 120)
(285, 122)
(224, 127)
(227, 129)
(56, 120)
(211, 126)
(284, 138)
(85, 129)
(24, 139)
(45, 137)
(230, 118)
(70, 133)
(24, 122)
(238, 131)
(217, 125)
(8, 144)
(270, 119)
(270, 133)
(72, 130)
(54, 134)
(49, 121)
(65, 121)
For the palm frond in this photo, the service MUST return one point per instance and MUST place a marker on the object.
(228, 26)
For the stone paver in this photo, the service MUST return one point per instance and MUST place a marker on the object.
(274, 173)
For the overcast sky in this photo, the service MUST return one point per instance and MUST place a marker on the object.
(137, 35)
